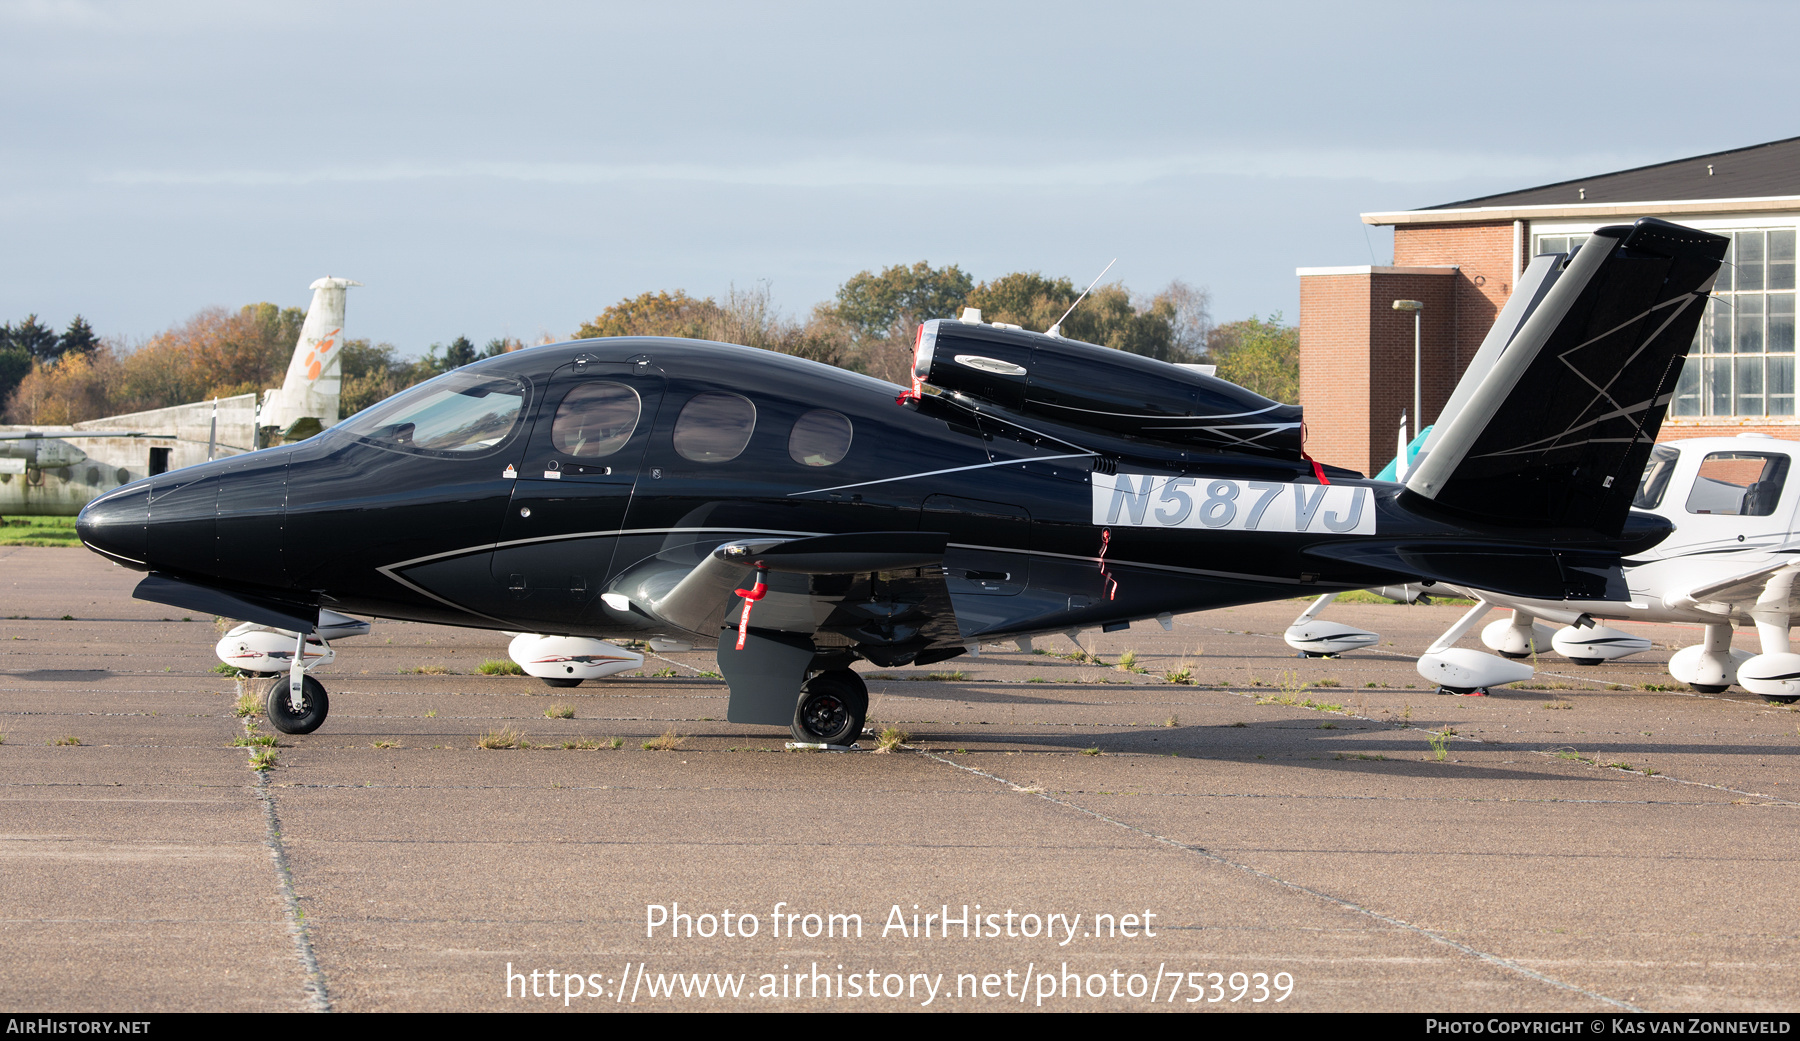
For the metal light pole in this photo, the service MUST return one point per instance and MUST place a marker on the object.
(1415, 306)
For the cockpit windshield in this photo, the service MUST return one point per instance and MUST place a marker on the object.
(458, 414)
(1656, 477)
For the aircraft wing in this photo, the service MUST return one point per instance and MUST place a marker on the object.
(883, 592)
(1771, 586)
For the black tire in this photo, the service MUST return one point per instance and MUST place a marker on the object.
(1513, 656)
(314, 706)
(560, 681)
(1709, 688)
(1780, 699)
(1587, 661)
(832, 708)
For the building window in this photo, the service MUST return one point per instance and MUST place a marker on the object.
(1559, 243)
(1742, 362)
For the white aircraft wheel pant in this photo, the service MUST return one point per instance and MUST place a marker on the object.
(1596, 644)
(570, 657)
(1464, 668)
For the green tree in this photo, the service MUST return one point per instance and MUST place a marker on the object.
(78, 337)
(1259, 355)
(876, 307)
(38, 339)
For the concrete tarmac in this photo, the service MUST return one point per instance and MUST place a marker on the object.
(1332, 831)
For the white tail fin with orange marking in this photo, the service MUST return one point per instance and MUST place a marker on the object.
(307, 400)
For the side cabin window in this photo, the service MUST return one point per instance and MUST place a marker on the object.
(1657, 472)
(714, 427)
(819, 438)
(595, 420)
(1738, 484)
(458, 415)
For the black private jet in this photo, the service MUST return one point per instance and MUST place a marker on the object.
(806, 516)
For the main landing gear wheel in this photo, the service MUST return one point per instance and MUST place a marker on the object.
(1710, 688)
(313, 706)
(1780, 699)
(560, 681)
(1587, 661)
(832, 708)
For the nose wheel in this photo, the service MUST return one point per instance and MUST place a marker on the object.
(833, 706)
(284, 717)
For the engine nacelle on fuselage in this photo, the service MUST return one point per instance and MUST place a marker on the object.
(1101, 389)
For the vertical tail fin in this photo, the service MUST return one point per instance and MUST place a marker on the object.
(307, 400)
(1557, 431)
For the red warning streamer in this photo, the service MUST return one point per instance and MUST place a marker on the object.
(1112, 584)
(751, 596)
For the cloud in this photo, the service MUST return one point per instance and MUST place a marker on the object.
(1385, 166)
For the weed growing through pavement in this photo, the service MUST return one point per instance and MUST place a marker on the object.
(387, 744)
(1091, 751)
(229, 670)
(506, 737)
(1128, 662)
(1182, 674)
(428, 670)
(947, 677)
(431, 714)
(254, 741)
(496, 667)
(1172, 721)
(560, 711)
(1440, 744)
(668, 742)
(262, 759)
(891, 738)
(66, 739)
(665, 672)
(1559, 704)
(1329, 681)
(247, 705)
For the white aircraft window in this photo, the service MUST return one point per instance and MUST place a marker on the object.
(714, 427)
(820, 438)
(1738, 484)
(457, 413)
(1656, 477)
(595, 419)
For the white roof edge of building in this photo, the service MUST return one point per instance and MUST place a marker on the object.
(1584, 209)
(1374, 269)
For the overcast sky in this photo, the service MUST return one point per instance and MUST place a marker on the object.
(510, 169)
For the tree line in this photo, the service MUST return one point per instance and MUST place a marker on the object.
(868, 325)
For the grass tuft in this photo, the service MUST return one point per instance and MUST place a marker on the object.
(247, 705)
(503, 738)
(387, 744)
(229, 670)
(1172, 721)
(254, 741)
(668, 742)
(66, 739)
(1559, 704)
(496, 667)
(429, 670)
(943, 677)
(1091, 751)
(262, 759)
(1128, 662)
(891, 738)
(560, 711)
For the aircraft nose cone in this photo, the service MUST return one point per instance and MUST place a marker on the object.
(115, 525)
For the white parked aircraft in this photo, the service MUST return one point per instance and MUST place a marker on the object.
(56, 470)
(1731, 561)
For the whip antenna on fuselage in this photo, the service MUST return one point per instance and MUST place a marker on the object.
(1056, 330)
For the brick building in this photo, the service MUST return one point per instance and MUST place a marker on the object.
(1461, 260)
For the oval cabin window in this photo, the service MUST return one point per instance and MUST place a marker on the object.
(714, 427)
(820, 438)
(595, 419)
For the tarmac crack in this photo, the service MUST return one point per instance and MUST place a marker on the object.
(317, 998)
(1348, 905)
